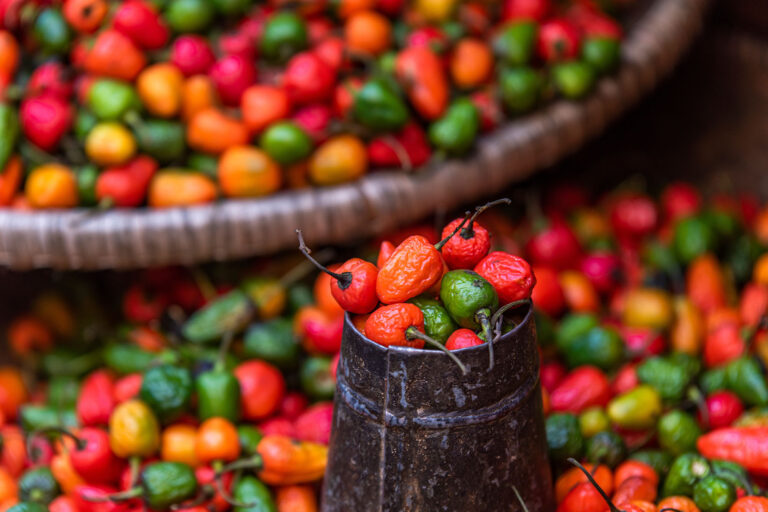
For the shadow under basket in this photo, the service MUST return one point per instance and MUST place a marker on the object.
(412, 433)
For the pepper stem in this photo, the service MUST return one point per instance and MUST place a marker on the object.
(439, 245)
(79, 443)
(221, 358)
(485, 322)
(344, 279)
(134, 464)
(520, 499)
(594, 483)
(254, 462)
(506, 307)
(468, 232)
(130, 494)
(698, 399)
(224, 493)
(413, 333)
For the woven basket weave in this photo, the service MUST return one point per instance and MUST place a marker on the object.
(78, 239)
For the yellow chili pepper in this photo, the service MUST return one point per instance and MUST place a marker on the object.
(338, 160)
(133, 430)
(110, 143)
(160, 88)
(648, 307)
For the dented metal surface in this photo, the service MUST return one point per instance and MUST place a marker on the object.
(411, 433)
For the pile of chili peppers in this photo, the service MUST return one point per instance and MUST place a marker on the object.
(179, 102)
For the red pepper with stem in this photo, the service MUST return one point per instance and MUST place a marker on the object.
(142, 305)
(584, 387)
(745, 446)
(353, 284)
(96, 401)
(554, 246)
(510, 275)
(472, 242)
(138, 21)
(402, 325)
(126, 185)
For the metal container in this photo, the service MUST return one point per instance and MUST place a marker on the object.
(412, 434)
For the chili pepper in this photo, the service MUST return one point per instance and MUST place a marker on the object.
(378, 106)
(606, 447)
(579, 293)
(133, 430)
(285, 34)
(750, 504)
(422, 74)
(64, 473)
(413, 268)
(192, 55)
(648, 307)
(692, 238)
(272, 341)
(115, 56)
(584, 387)
(95, 402)
(27, 507)
(638, 408)
(63, 504)
(713, 494)
(142, 24)
(232, 75)
(554, 246)
(282, 461)
(338, 160)
(592, 421)
(161, 485)
(515, 41)
(262, 387)
(189, 15)
(471, 63)
(217, 441)
(601, 53)
(573, 79)
(167, 390)
(472, 242)
(438, 323)
(744, 377)
(574, 326)
(295, 498)
(463, 338)
(600, 346)
(251, 491)
(308, 79)
(44, 120)
(525, 9)
(316, 378)
(314, 424)
(573, 477)
(49, 79)
(564, 437)
(678, 432)
(179, 187)
(582, 498)
(320, 332)
(249, 438)
(38, 485)
(286, 142)
(745, 446)
(722, 408)
(51, 31)
(685, 472)
(218, 391)
(124, 358)
(91, 456)
(670, 375)
(456, 130)
(558, 39)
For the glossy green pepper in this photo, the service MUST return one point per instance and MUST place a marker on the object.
(455, 132)
(693, 236)
(602, 53)
(606, 447)
(515, 42)
(62, 362)
(9, 132)
(573, 79)
(713, 494)
(316, 378)
(206, 164)
(26, 506)
(126, 358)
(638, 408)
(249, 437)
(37, 417)
(228, 313)
(714, 379)
(218, 392)
(438, 323)
(84, 122)
(670, 376)
(573, 327)
(678, 432)
(167, 390)
(299, 295)
(38, 485)
(273, 341)
(286, 142)
(249, 490)
(52, 32)
(659, 460)
(745, 378)
(87, 175)
(162, 139)
(110, 100)
(564, 437)
(189, 15)
(285, 34)
(732, 472)
(601, 346)
(62, 392)
(378, 107)
(685, 471)
(520, 88)
(725, 225)
(163, 485)
(469, 299)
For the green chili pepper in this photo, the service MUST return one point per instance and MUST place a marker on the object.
(661, 256)
(731, 472)
(693, 237)
(228, 313)
(741, 256)
(638, 408)
(745, 378)
(249, 437)
(573, 79)
(685, 471)
(286, 142)
(670, 376)
(167, 390)
(379, 107)
(515, 42)
(126, 358)
(249, 490)
(602, 53)
(87, 175)
(678, 432)
(601, 346)
(659, 460)
(163, 485)
(299, 295)
(37, 417)
(84, 123)
(189, 15)
(110, 100)
(206, 164)
(316, 378)
(9, 132)
(714, 494)
(455, 132)
(273, 341)
(725, 225)
(38, 485)
(572, 327)
(469, 299)
(218, 392)
(52, 32)
(65, 362)
(520, 88)
(606, 447)
(26, 506)
(62, 392)
(564, 437)
(438, 323)
(162, 139)
(714, 379)
(285, 34)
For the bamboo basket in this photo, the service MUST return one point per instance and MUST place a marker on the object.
(658, 33)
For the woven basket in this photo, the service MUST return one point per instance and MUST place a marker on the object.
(78, 239)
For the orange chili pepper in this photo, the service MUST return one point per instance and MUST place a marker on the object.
(217, 441)
(580, 294)
(212, 131)
(178, 187)
(10, 178)
(750, 504)
(640, 506)
(421, 72)
(85, 16)
(28, 335)
(13, 392)
(8, 486)
(687, 331)
(633, 468)
(178, 444)
(681, 503)
(753, 304)
(295, 498)
(51, 186)
(705, 283)
(114, 55)
(413, 268)
(13, 456)
(347, 8)
(9, 53)
(722, 316)
(385, 251)
(160, 88)
(574, 476)
(338, 160)
(323, 296)
(262, 105)
(246, 171)
(471, 63)
(368, 32)
(64, 473)
(635, 488)
(197, 94)
(286, 462)
(396, 325)
(760, 272)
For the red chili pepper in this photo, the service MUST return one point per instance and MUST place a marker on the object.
(262, 387)
(293, 404)
(308, 79)
(390, 7)
(488, 108)
(142, 305)
(625, 379)
(320, 332)
(45, 120)
(127, 387)
(315, 120)
(555, 246)
(642, 342)
(232, 75)
(547, 294)
(552, 374)
(633, 216)
(584, 387)
(237, 43)
(723, 344)
(84, 496)
(723, 408)
(277, 426)
(583, 498)
(114, 55)
(396, 325)
(331, 51)
(593, 23)
(192, 55)
(753, 304)
(50, 78)
(745, 446)
(525, 9)
(96, 399)
(407, 149)
(463, 338)
(93, 459)
(510, 275)
(422, 73)
(430, 37)
(559, 39)
(679, 200)
(314, 424)
(63, 504)
(385, 251)
(140, 22)
(603, 269)
(206, 478)
(125, 186)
